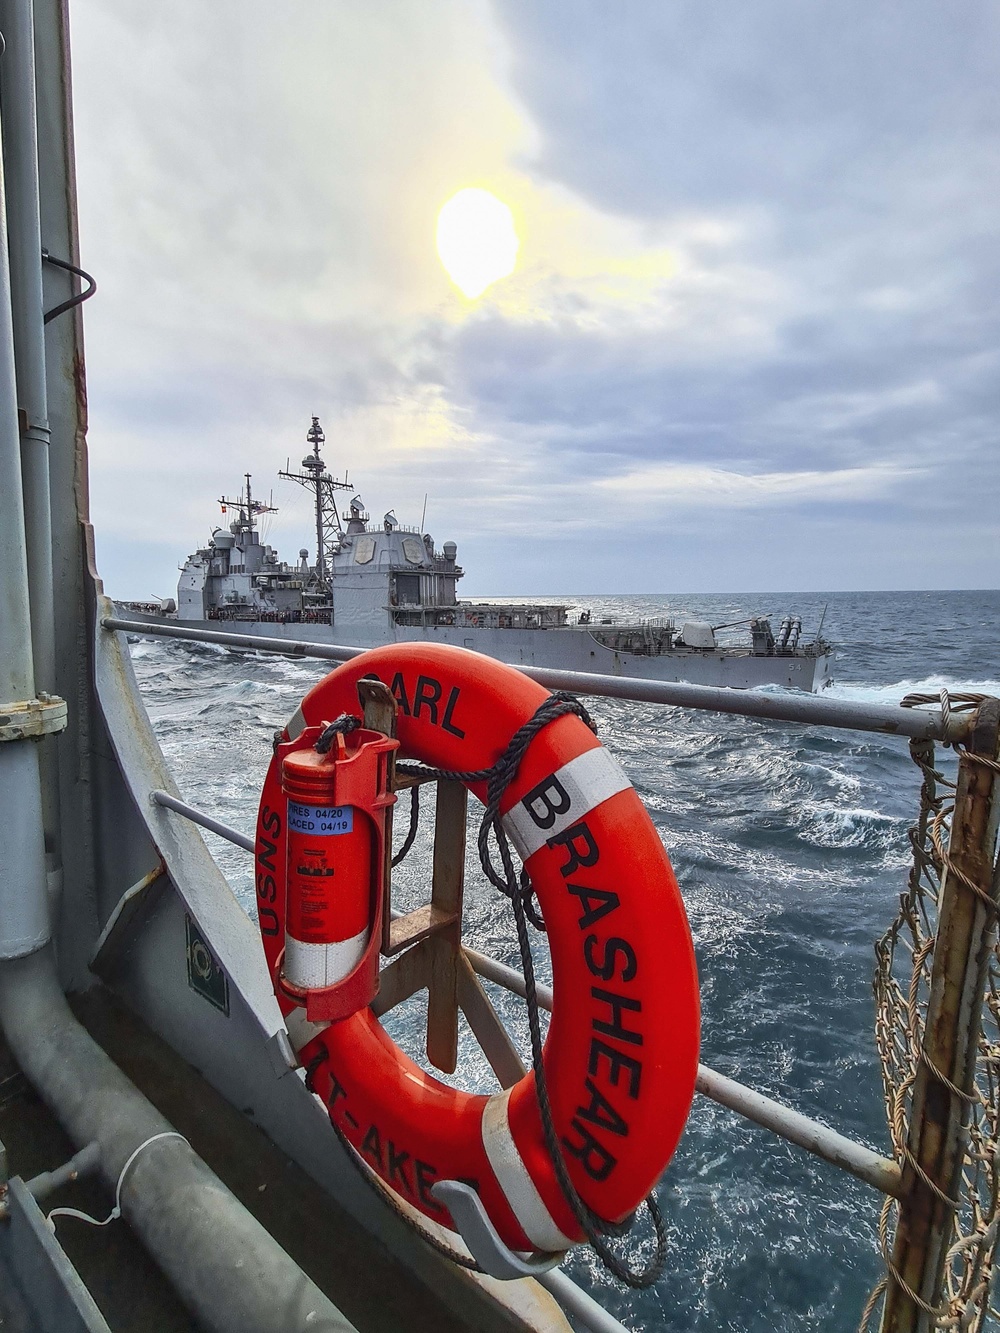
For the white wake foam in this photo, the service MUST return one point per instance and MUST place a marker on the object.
(860, 692)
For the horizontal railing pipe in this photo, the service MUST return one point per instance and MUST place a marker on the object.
(860, 1161)
(206, 821)
(577, 1303)
(791, 1125)
(169, 629)
(791, 706)
(880, 1172)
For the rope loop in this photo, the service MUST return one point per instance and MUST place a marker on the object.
(411, 832)
(343, 726)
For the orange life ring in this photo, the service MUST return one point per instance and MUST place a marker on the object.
(621, 1051)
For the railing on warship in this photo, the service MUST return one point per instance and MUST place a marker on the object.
(937, 988)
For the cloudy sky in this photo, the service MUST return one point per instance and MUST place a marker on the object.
(750, 343)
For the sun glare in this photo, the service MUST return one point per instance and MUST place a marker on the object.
(476, 240)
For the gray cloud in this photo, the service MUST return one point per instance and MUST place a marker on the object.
(827, 176)
(858, 147)
(652, 107)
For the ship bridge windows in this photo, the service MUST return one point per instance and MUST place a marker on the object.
(407, 589)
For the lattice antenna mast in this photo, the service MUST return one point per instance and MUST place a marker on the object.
(315, 478)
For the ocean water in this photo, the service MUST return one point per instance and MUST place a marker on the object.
(790, 847)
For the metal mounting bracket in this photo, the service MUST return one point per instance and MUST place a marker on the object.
(479, 1234)
(281, 1053)
(30, 718)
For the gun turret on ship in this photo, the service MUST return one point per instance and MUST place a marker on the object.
(376, 583)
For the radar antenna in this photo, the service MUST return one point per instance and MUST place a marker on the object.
(315, 478)
(246, 506)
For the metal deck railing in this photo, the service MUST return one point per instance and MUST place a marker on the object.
(908, 1183)
(806, 708)
(816, 1138)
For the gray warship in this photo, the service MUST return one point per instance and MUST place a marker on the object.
(378, 583)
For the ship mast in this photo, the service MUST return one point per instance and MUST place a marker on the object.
(248, 508)
(315, 478)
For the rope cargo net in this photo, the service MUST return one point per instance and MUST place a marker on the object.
(902, 986)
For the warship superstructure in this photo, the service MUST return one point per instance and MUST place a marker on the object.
(377, 583)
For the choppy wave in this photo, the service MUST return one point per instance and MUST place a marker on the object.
(790, 848)
(831, 826)
(862, 692)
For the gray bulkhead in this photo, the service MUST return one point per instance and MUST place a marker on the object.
(379, 570)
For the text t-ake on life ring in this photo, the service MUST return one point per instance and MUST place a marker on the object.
(621, 1051)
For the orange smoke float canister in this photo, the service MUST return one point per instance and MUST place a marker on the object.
(336, 815)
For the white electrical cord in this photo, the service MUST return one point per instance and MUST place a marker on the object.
(116, 1211)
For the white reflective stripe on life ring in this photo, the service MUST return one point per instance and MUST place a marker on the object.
(296, 724)
(563, 799)
(300, 1031)
(313, 966)
(519, 1190)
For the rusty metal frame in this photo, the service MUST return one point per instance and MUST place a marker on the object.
(945, 1079)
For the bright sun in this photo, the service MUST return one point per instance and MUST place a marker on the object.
(476, 240)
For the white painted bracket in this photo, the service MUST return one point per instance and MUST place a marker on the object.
(479, 1234)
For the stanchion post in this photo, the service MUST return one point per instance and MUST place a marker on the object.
(446, 896)
(427, 941)
(966, 931)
